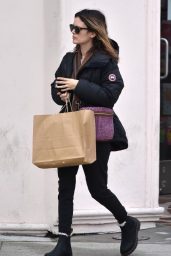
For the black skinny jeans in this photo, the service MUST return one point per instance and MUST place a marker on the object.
(96, 178)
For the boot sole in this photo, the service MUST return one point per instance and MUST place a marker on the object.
(136, 243)
(46, 254)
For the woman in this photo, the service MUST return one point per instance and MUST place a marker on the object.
(90, 77)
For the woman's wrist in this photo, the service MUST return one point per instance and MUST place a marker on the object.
(76, 83)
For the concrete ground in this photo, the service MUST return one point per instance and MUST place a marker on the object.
(155, 241)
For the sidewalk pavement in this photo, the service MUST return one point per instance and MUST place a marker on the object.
(155, 241)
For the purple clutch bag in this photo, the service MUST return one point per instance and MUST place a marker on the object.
(104, 122)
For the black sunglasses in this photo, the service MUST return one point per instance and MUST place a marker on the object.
(76, 28)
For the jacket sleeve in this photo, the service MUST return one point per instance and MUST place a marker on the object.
(104, 94)
(59, 72)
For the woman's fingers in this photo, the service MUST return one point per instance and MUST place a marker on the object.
(61, 82)
(61, 78)
(64, 96)
(61, 86)
(66, 84)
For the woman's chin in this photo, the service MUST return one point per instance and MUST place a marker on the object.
(75, 41)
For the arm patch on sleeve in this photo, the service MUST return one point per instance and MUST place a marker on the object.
(112, 77)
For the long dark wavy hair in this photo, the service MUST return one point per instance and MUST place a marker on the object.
(96, 22)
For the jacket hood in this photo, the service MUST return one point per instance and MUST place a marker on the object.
(114, 45)
(100, 58)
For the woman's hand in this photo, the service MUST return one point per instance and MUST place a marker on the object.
(64, 96)
(66, 84)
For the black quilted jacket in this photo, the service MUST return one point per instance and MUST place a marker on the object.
(100, 84)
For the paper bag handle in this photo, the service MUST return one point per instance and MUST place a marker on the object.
(68, 101)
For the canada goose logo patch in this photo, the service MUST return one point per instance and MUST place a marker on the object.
(112, 77)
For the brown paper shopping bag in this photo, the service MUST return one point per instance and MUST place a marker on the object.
(64, 139)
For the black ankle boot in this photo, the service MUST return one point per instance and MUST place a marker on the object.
(63, 247)
(129, 236)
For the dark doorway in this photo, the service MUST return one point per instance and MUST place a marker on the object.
(165, 110)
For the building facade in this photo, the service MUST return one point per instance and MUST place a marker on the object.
(34, 37)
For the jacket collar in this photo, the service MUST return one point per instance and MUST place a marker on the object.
(97, 60)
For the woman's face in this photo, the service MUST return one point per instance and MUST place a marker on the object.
(84, 36)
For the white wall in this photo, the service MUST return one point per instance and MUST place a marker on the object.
(24, 189)
(34, 37)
